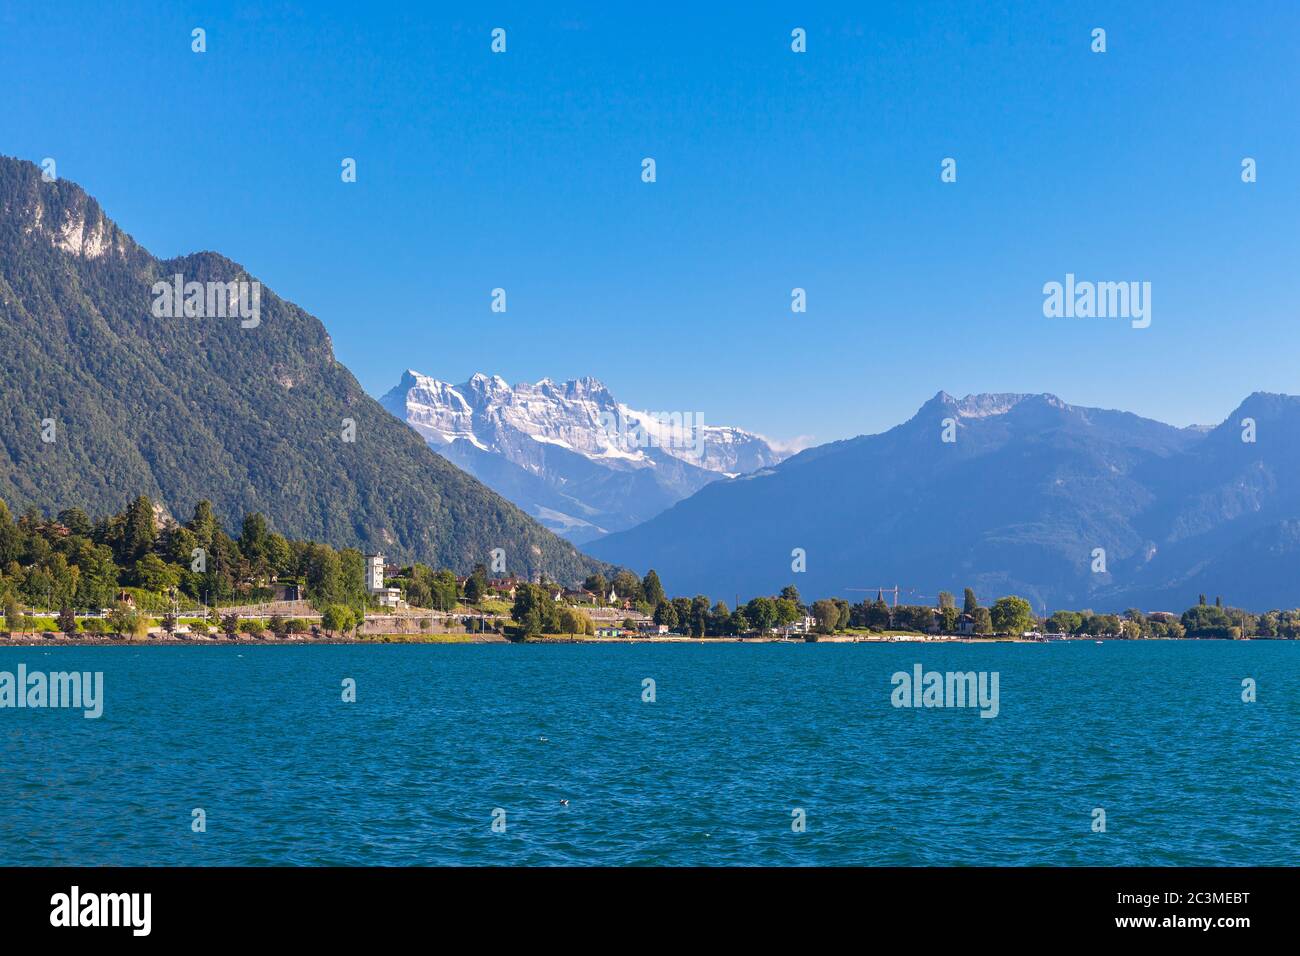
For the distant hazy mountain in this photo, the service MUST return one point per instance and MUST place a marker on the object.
(252, 417)
(582, 463)
(1017, 504)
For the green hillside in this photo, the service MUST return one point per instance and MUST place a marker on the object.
(185, 409)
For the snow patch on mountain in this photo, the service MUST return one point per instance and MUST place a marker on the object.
(579, 415)
(569, 452)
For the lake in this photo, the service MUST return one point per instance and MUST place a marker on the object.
(714, 771)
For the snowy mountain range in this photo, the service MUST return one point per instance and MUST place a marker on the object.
(568, 453)
(1064, 505)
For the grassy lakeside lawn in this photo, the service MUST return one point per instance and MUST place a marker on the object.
(41, 625)
(486, 606)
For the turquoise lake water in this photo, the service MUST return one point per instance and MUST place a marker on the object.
(1154, 733)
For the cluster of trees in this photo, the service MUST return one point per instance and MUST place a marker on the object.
(74, 562)
(1008, 615)
(1131, 624)
(1215, 620)
(424, 587)
(122, 620)
(232, 625)
(42, 568)
(535, 611)
(645, 594)
(1202, 620)
(700, 617)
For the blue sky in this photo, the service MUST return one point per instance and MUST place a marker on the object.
(775, 170)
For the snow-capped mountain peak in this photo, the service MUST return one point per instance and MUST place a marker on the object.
(569, 433)
(580, 414)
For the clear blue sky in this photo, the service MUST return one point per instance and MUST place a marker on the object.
(775, 170)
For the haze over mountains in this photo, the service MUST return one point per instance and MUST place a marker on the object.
(252, 418)
(568, 453)
(1015, 505)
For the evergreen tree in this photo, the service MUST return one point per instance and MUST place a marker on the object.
(204, 524)
(139, 533)
(652, 591)
(254, 540)
(10, 539)
(76, 521)
(628, 585)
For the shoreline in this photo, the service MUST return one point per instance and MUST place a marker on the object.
(243, 640)
(37, 640)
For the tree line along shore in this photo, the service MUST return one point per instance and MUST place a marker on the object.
(137, 574)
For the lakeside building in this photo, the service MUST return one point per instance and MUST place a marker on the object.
(375, 586)
(575, 596)
(804, 625)
(613, 600)
(505, 587)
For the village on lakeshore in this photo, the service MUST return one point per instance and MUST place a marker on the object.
(139, 576)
